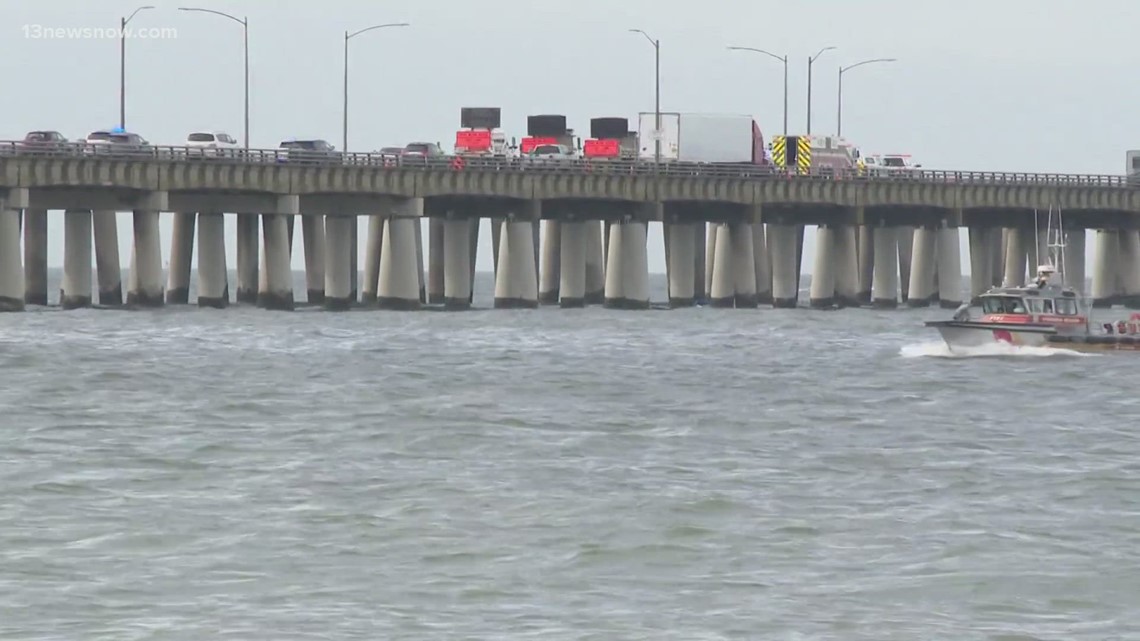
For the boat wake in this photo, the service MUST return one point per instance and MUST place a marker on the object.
(939, 349)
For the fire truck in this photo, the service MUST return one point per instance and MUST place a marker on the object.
(816, 154)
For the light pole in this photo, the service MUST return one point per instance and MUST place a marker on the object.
(783, 59)
(347, 36)
(839, 99)
(123, 65)
(657, 100)
(244, 22)
(812, 59)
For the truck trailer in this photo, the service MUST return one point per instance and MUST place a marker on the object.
(702, 138)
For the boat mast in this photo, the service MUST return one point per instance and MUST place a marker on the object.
(1055, 244)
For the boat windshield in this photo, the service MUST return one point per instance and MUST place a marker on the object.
(1003, 305)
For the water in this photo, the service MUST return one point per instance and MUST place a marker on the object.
(579, 474)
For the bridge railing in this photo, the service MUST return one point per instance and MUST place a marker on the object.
(542, 165)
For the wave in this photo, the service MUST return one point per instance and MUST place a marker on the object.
(939, 349)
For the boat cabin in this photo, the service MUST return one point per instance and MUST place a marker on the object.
(1017, 302)
(1047, 301)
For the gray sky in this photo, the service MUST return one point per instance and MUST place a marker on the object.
(1016, 85)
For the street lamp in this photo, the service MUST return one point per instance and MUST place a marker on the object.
(839, 99)
(123, 65)
(783, 59)
(812, 59)
(657, 101)
(244, 22)
(347, 36)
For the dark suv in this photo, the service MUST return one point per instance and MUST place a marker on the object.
(307, 151)
(46, 140)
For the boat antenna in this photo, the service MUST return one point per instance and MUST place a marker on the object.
(1055, 240)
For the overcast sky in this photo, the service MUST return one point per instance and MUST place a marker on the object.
(1015, 85)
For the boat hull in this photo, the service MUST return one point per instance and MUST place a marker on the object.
(974, 334)
(1096, 343)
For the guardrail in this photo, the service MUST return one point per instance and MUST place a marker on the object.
(542, 165)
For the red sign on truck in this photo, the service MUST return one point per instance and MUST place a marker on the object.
(528, 144)
(473, 140)
(602, 148)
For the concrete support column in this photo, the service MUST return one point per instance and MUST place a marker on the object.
(551, 262)
(572, 264)
(822, 291)
(420, 276)
(11, 265)
(981, 261)
(720, 275)
(846, 264)
(313, 236)
(700, 240)
(800, 232)
(354, 259)
(35, 257)
(681, 267)
(1016, 251)
(1128, 268)
(247, 258)
(337, 287)
(181, 253)
(905, 238)
(456, 264)
(399, 287)
(782, 249)
(1074, 263)
(516, 283)
(496, 232)
(75, 290)
(473, 254)
(711, 232)
(627, 272)
(275, 287)
(213, 276)
(922, 267)
(998, 245)
(595, 263)
(949, 267)
(107, 266)
(743, 265)
(34, 228)
(885, 286)
(436, 261)
(762, 263)
(144, 288)
(372, 248)
(607, 227)
(1104, 278)
(866, 258)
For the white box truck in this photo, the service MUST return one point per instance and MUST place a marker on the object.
(702, 138)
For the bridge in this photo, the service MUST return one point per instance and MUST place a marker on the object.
(733, 233)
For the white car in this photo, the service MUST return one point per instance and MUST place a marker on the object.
(550, 155)
(116, 141)
(212, 143)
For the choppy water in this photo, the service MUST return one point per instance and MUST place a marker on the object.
(580, 474)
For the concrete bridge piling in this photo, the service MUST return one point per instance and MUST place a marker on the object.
(748, 264)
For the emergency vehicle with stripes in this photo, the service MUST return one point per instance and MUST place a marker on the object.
(816, 154)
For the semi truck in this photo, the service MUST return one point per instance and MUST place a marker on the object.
(813, 154)
(702, 138)
(480, 134)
